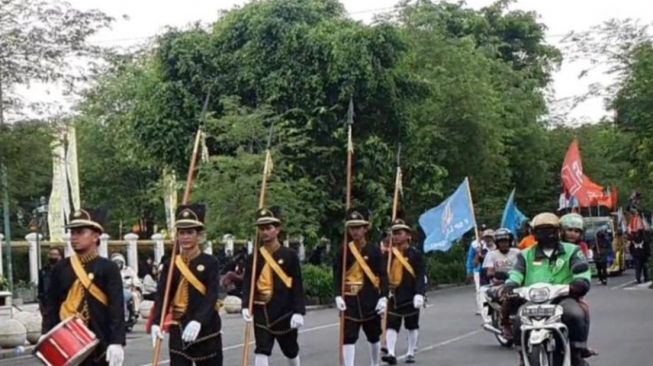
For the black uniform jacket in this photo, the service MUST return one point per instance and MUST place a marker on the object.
(363, 305)
(107, 322)
(285, 301)
(409, 285)
(201, 308)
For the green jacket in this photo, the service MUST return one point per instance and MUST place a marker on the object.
(567, 265)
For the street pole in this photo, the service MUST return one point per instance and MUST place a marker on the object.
(5, 209)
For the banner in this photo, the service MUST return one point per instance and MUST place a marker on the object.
(512, 218)
(170, 200)
(575, 182)
(449, 221)
(58, 205)
(72, 172)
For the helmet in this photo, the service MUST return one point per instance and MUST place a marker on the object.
(604, 231)
(118, 257)
(572, 221)
(545, 219)
(487, 233)
(503, 234)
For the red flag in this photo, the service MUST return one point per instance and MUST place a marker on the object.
(575, 182)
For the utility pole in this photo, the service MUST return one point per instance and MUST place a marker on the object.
(5, 209)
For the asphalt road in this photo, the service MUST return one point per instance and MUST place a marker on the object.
(621, 330)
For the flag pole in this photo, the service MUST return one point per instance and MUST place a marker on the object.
(350, 153)
(267, 169)
(471, 204)
(395, 209)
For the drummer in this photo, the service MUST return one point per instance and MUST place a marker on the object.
(89, 287)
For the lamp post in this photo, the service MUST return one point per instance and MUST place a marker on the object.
(39, 220)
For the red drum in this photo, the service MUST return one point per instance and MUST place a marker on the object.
(67, 344)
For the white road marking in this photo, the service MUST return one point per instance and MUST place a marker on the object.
(622, 285)
(443, 343)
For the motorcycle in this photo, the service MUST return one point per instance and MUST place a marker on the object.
(131, 314)
(491, 315)
(544, 337)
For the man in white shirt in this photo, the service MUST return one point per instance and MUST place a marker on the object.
(499, 262)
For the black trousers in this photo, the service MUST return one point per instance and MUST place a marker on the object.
(371, 328)
(641, 267)
(602, 270)
(405, 313)
(204, 352)
(265, 342)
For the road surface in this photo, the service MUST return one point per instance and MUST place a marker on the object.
(622, 319)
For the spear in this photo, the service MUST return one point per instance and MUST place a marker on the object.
(395, 209)
(192, 173)
(267, 170)
(350, 153)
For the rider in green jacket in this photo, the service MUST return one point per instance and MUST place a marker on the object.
(556, 262)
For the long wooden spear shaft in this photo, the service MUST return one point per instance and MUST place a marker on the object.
(192, 170)
(267, 168)
(395, 209)
(350, 153)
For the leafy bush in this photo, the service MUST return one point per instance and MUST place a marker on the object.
(446, 267)
(318, 282)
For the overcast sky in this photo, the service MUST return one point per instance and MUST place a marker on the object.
(149, 17)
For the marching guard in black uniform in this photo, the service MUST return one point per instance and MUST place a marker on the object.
(279, 304)
(192, 319)
(407, 286)
(366, 288)
(89, 287)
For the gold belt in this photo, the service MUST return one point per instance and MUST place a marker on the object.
(262, 298)
(352, 289)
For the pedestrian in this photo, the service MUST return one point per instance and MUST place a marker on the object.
(640, 250)
(475, 256)
(364, 299)
(279, 303)
(194, 323)
(602, 249)
(55, 254)
(88, 286)
(407, 288)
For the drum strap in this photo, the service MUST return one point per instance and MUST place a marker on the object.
(287, 280)
(363, 264)
(404, 262)
(189, 275)
(86, 281)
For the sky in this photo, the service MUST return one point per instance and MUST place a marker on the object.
(147, 18)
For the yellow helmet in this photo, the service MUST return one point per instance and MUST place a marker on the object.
(545, 219)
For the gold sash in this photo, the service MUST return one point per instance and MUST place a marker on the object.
(404, 262)
(86, 281)
(189, 276)
(287, 280)
(363, 264)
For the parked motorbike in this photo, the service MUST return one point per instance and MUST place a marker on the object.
(544, 337)
(133, 303)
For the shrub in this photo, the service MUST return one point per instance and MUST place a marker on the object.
(318, 282)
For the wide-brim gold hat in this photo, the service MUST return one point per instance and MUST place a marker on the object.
(86, 217)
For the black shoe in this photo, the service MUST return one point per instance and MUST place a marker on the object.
(578, 357)
(384, 351)
(390, 360)
(410, 359)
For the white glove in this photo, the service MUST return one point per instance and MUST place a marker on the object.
(156, 333)
(381, 305)
(247, 317)
(297, 321)
(115, 355)
(418, 301)
(191, 331)
(340, 303)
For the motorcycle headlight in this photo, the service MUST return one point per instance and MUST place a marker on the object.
(538, 295)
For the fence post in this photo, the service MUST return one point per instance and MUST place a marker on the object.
(103, 250)
(132, 252)
(229, 244)
(2, 242)
(302, 249)
(32, 238)
(159, 248)
(68, 247)
(208, 247)
(249, 247)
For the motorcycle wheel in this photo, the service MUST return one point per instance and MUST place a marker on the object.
(539, 356)
(500, 338)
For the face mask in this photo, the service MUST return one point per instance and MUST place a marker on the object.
(119, 264)
(547, 238)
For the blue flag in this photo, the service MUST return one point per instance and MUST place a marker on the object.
(449, 221)
(512, 218)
